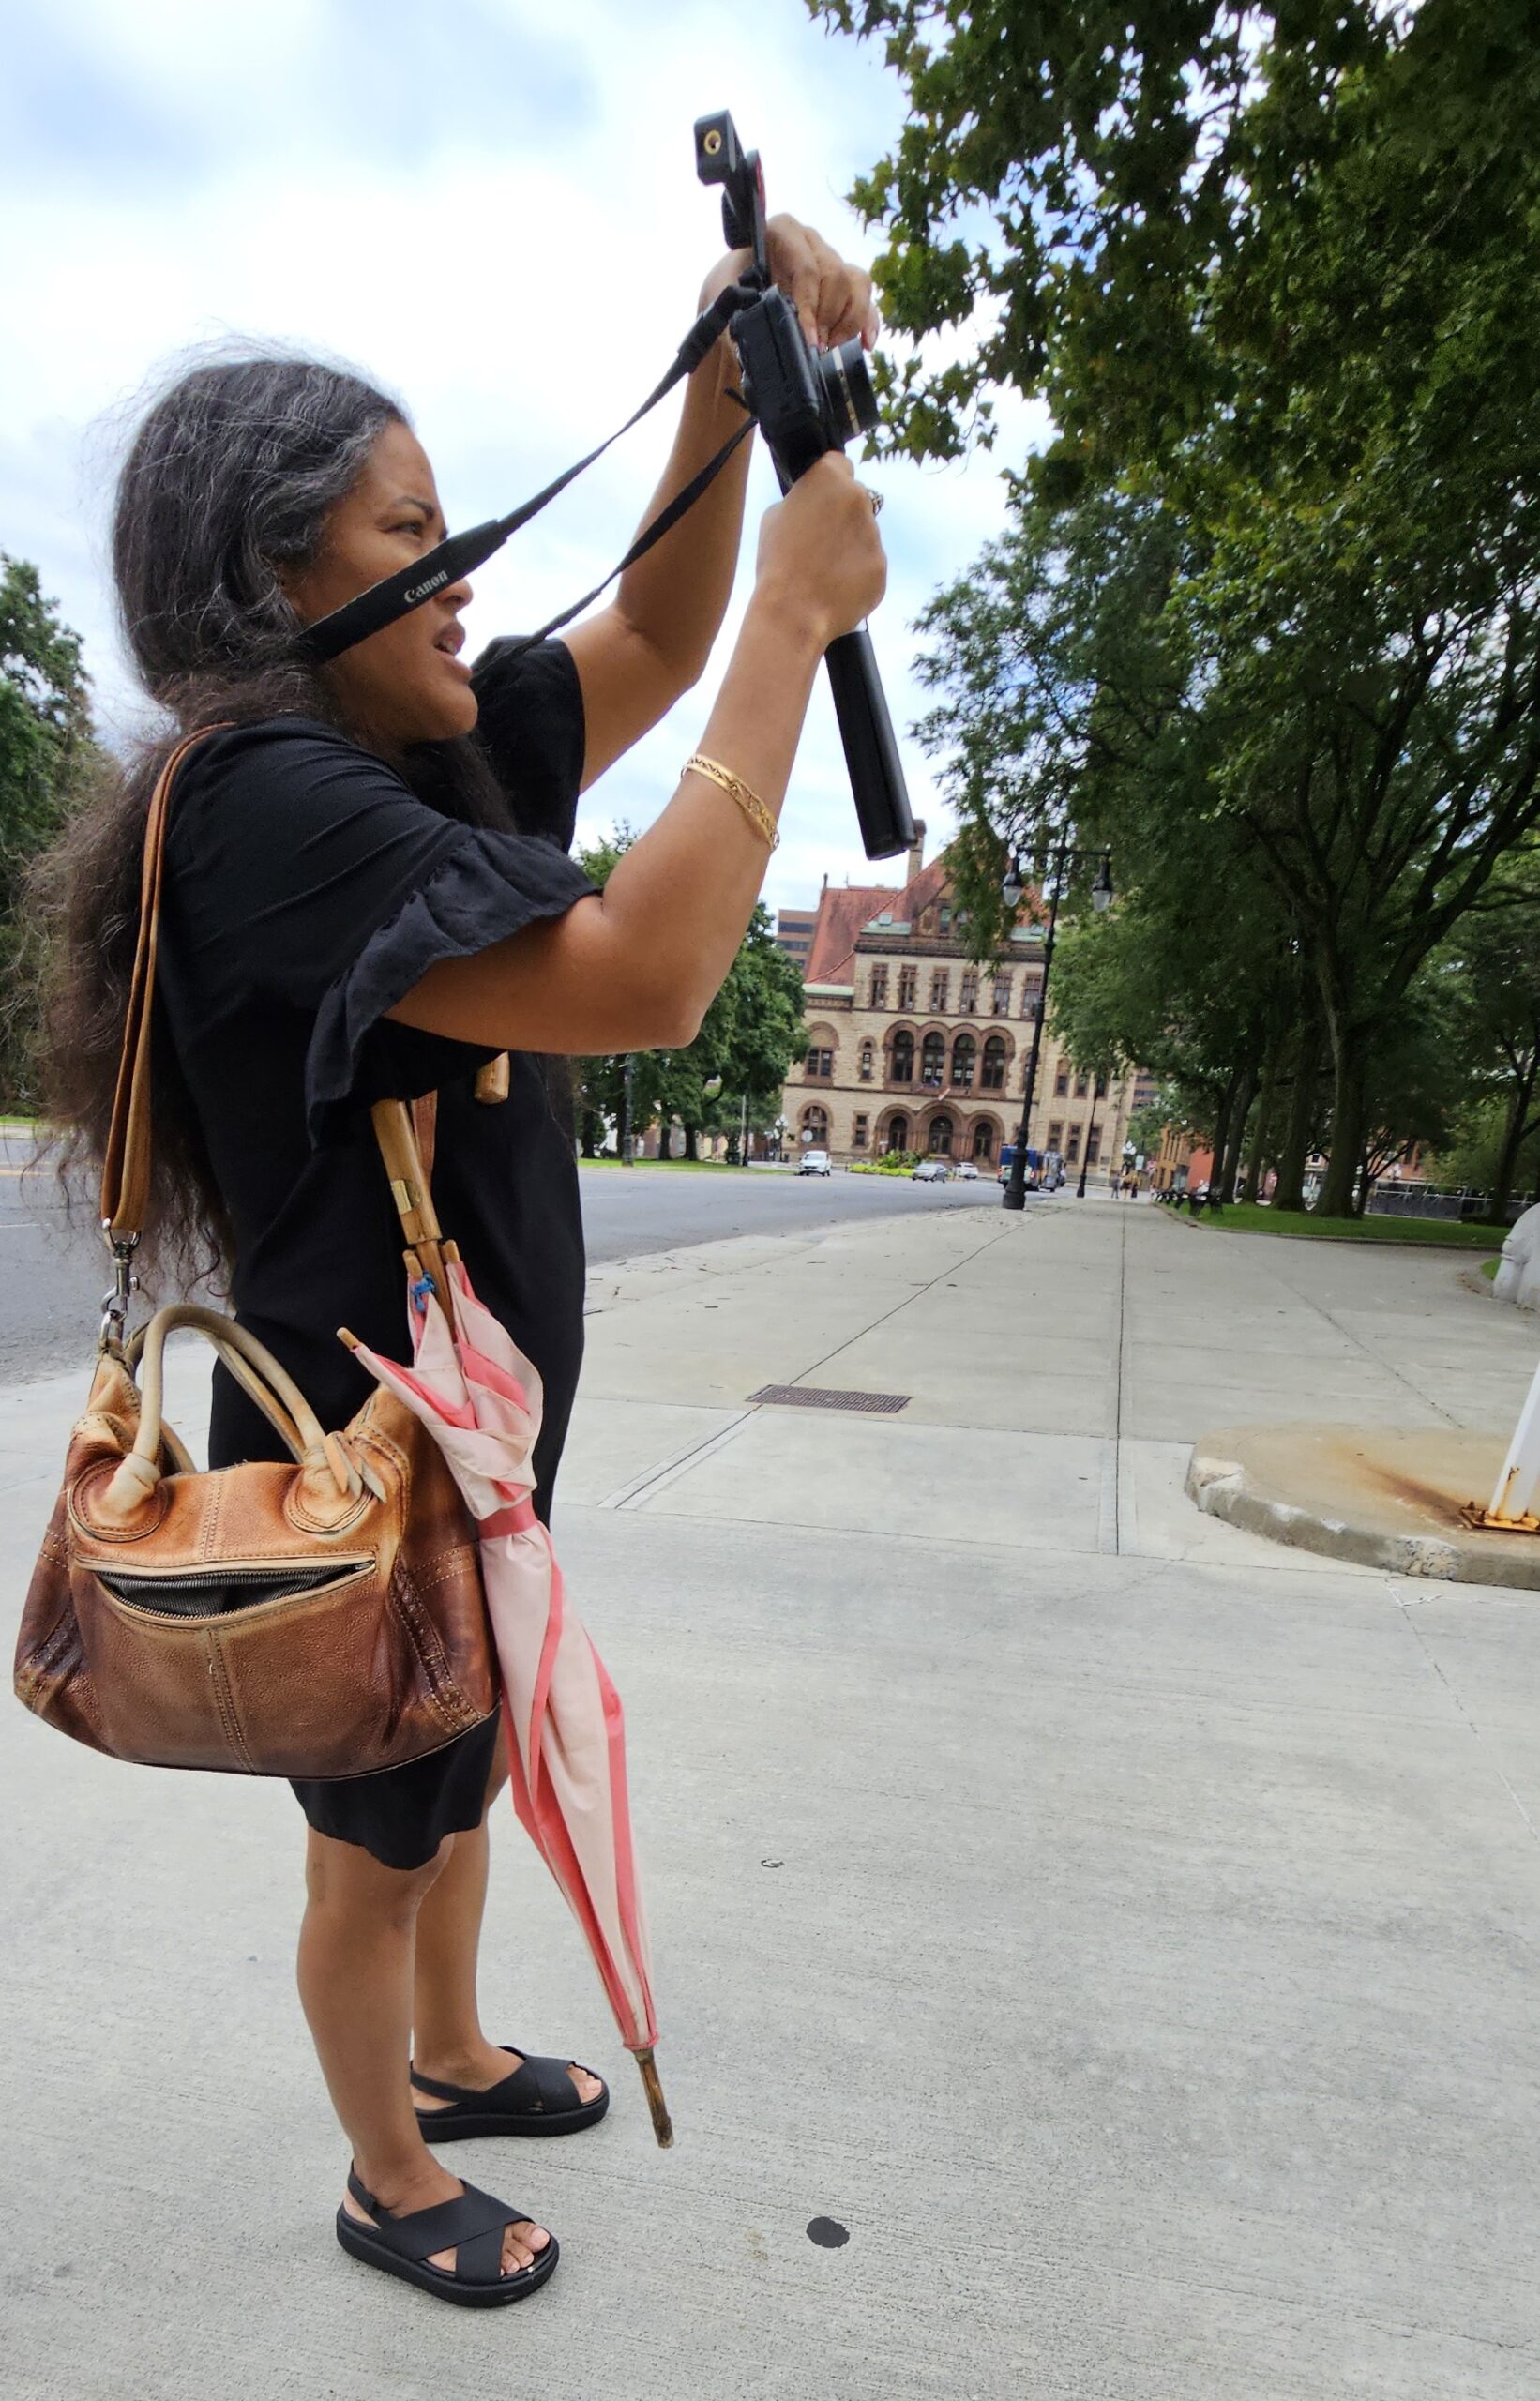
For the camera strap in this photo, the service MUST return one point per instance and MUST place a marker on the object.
(396, 595)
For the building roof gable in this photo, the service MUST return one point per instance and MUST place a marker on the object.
(845, 912)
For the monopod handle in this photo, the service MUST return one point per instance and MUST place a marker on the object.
(872, 754)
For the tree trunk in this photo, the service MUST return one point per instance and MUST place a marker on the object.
(1261, 1140)
(692, 1137)
(1222, 1117)
(592, 1129)
(1339, 1192)
(1513, 1143)
(1228, 1169)
(665, 1138)
(1288, 1192)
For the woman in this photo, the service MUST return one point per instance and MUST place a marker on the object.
(369, 893)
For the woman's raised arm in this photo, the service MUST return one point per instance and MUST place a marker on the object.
(636, 966)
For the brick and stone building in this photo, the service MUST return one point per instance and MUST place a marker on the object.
(912, 1046)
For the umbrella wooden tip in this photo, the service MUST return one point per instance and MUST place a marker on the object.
(344, 1335)
(657, 2106)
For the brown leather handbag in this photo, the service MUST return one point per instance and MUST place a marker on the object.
(317, 1617)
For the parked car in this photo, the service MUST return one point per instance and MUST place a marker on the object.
(813, 1163)
(929, 1171)
(965, 1171)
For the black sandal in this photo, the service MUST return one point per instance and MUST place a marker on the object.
(471, 2226)
(538, 2098)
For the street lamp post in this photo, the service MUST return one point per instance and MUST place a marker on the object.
(627, 1144)
(1063, 859)
(1098, 1091)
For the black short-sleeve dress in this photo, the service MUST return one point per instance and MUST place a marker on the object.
(307, 891)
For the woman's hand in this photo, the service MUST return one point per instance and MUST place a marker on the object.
(832, 299)
(820, 564)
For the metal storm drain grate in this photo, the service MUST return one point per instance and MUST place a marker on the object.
(869, 1404)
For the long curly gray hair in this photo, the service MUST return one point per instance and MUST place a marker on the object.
(228, 480)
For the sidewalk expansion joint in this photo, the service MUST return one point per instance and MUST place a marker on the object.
(658, 1479)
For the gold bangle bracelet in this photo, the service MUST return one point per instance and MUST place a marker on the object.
(748, 801)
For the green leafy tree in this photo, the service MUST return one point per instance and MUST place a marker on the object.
(1273, 271)
(47, 756)
(1096, 204)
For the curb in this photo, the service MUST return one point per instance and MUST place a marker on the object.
(1362, 1495)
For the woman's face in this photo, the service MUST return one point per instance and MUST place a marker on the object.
(406, 684)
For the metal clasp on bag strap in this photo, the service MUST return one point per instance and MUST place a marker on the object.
(114, 1305)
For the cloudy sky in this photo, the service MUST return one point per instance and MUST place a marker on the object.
(492, 207)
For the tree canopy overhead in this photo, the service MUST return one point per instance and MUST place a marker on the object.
(1106, 201)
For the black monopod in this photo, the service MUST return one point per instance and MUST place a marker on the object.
(807, 401)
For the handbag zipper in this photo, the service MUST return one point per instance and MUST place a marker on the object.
(293, 1578)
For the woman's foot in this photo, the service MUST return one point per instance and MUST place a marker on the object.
(478, 2069)
(424, 2189)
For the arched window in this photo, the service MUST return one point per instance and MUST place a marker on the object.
(898, 1134)
(983, 1139)
(964, 1053)
(901, 1069)
(993, 1077)
(940, 1137)
(815, 1124)
(933, 1059)
(868, 1057)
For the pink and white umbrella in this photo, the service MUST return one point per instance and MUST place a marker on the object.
(481, 1400)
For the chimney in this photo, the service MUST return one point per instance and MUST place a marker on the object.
(917, 851)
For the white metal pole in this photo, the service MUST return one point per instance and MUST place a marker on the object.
(1514, 1495)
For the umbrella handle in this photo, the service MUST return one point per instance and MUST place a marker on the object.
(658, 2107)
(397, 1140)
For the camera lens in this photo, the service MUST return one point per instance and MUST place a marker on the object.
(850, 404)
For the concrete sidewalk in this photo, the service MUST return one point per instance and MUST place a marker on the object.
(1125, 1929)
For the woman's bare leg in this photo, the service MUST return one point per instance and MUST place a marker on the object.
(447, 2042)
(356, 1956)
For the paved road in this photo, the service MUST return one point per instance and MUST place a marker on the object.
(53, 1273)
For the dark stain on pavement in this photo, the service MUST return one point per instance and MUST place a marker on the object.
(827, 2232)
(1423, 1498)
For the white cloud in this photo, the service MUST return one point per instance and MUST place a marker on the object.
(333, 172)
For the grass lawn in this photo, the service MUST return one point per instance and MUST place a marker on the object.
(673, 1167)
(1250, 1217)
(1488, 1268)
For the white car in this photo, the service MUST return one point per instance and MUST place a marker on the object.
(965, 1171)
(813, 1163)
(929, 1171)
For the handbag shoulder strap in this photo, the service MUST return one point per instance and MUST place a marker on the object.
(126, 1163)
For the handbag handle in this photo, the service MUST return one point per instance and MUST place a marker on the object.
(240, 1368)
(270, 1385)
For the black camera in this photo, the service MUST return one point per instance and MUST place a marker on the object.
(806, 401)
